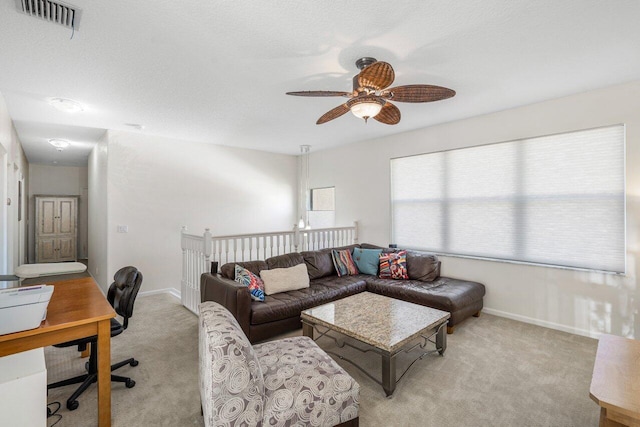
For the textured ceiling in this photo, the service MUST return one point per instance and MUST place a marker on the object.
(216, 71)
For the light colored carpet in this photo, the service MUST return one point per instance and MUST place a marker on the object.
(496, 372)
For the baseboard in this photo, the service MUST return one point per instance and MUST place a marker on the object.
(171, 291)
(545, 323)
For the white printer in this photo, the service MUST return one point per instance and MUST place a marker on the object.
(23, 308)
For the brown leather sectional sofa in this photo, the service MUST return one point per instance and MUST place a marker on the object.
(281, 312)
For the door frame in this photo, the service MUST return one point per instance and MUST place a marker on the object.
(4, 225)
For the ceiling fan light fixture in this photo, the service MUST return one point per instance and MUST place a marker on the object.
(66, 105)
(372, 94)
(60, 144)
(366, 107)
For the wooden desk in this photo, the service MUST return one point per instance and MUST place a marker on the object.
(615, 384)
(77, 309)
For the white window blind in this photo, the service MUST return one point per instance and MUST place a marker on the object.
(556, 200)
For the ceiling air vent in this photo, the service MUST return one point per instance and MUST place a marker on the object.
(53, 11)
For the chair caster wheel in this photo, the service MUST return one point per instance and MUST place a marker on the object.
(130, 383)
(73, 405)
(134, 363)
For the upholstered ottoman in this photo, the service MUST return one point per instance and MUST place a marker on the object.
(288, 382)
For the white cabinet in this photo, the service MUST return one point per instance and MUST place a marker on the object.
(56, 228)
(23, 387)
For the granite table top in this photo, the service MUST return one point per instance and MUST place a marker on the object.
(380, 321)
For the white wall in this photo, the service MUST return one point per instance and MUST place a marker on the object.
(97, 237)
(581, 302)
(59, 181)
(156, 185)
(14, 168)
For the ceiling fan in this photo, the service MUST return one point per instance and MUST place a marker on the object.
(371, 94)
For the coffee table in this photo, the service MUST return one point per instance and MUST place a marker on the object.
(387, 326)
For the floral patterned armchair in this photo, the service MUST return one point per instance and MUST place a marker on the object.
(288, 382)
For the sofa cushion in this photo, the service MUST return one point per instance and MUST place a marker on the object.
(367, 260)
(278, 280)
(393, 265)
(289, 304)
(319, 264)
(343, 263)
(385, 250)
(370, 246)
(422, 266)
(342, 248)
(443, 293)
(304, 386)
(285, 261)
(228, 270)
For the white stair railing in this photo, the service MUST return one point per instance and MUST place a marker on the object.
(196, 254)
(199, 251)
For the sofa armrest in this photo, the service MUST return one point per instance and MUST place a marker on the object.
(231, 295)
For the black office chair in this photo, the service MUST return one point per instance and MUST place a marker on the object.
(122, 294)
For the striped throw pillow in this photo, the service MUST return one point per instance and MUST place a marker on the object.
(343, 263)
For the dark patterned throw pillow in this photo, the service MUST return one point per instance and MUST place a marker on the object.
(250, 280)
(393, 265)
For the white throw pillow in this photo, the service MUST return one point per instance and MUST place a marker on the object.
(285, 279)
(29, 271)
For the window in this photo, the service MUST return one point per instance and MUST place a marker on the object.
(556, 200)
(322, 207)
(323, 199)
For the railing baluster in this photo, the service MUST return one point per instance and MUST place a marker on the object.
(234, 250)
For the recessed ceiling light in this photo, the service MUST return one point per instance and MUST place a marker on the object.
(66, 105)
(60, 144)
(136, 126)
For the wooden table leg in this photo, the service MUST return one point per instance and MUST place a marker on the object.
(307, 330)
(104, 373)
(615, 419)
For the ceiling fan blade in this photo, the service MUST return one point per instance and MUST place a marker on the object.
(378, 76)
(320, 93)
(389, 115)
(333, 114)
(418, 93)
